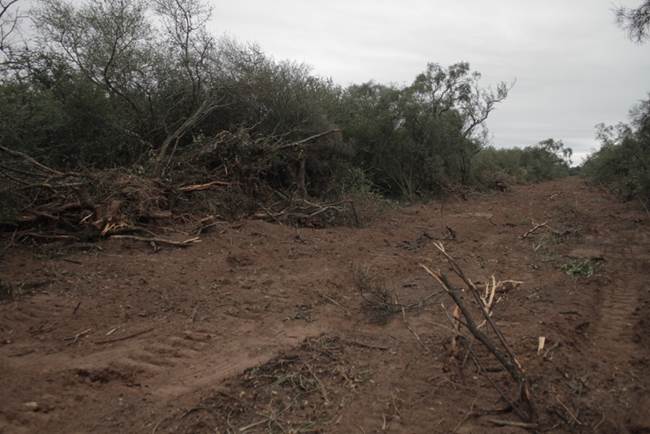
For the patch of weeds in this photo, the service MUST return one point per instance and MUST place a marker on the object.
(580, 268)
(546, 244)
(379, 302)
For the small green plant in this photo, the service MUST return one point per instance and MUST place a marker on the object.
(580, 268)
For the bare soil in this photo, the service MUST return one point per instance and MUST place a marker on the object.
(261, 327)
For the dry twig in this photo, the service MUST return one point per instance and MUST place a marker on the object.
(500, 422)
(123, 338)
(184, 243)
(76, 337)
(534, 229)
(205, 186)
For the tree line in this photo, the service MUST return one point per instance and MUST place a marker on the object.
(142, 85)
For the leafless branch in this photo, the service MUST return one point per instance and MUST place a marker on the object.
(206, 107)
(525, 408)
(30, 160)
(635, 21)
(8, 22)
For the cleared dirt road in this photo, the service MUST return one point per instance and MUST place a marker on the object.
(261, 328)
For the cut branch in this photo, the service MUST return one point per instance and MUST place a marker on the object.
(205, 186)
(504, 355)
(534, 229)
(199, 114)
(32, 161)
(308, 139)
(185, 243)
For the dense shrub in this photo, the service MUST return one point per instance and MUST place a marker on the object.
(549, 159)
(418, 139)
(622, 164)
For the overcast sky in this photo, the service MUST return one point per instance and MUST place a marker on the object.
(574, 67)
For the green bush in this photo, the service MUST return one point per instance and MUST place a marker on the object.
(416, 140)
(622, 164)
(549, 159)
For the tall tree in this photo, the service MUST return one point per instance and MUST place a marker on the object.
(454, 94)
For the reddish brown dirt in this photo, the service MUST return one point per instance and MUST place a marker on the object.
(260, 327)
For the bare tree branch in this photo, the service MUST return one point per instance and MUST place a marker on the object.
(8, 23)
(635, 21)
(31, 161)
(206, 107)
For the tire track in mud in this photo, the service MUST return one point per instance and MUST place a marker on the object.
(615, 332)
(615, 329)
(178, 363)
(618, 325)
(169, 367)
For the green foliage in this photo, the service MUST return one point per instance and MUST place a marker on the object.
(418, 139)
(277, 97)
(114, 83)
(63, 118)
(111, 90)
(353, 183)
(549, 159)
(580, 268)
(622, 164)
(352, 179)
(492, 167)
